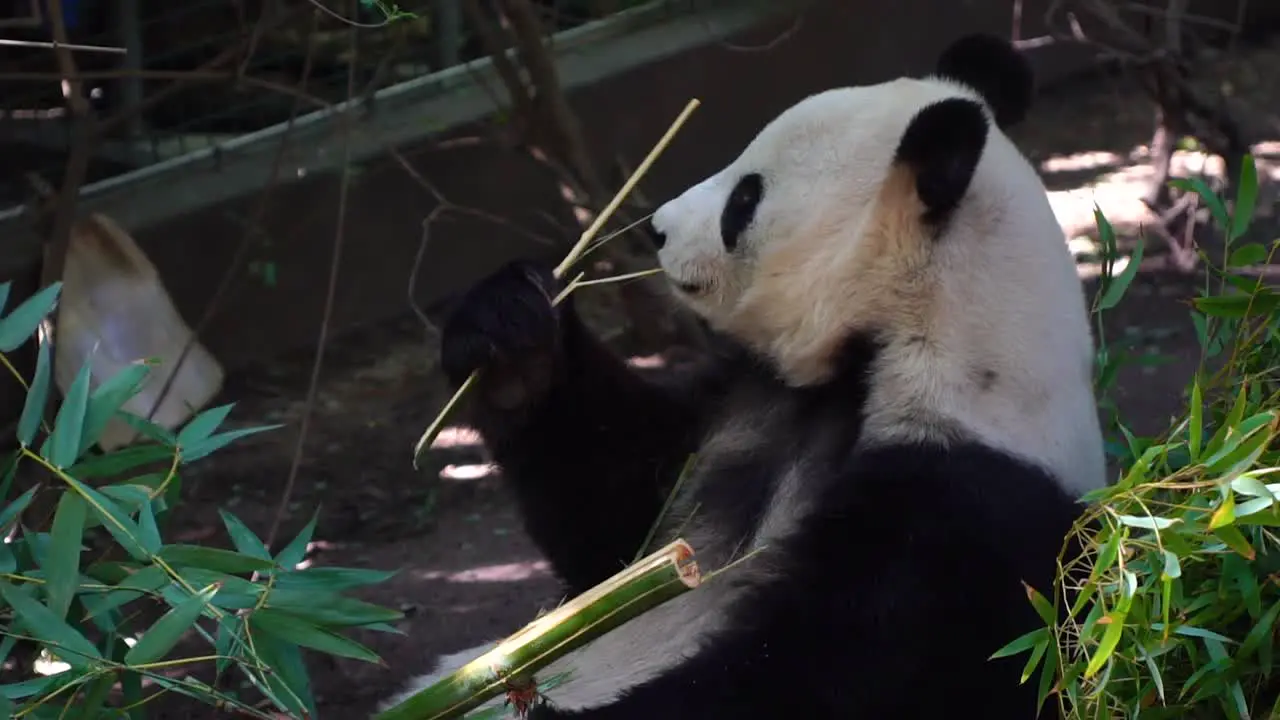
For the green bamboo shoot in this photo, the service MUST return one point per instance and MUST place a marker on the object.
(660, 577)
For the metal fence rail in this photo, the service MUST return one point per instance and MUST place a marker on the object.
(236, 165)
(272, 46)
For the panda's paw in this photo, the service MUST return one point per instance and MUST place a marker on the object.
(507, 328)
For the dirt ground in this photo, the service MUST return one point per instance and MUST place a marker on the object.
(467, 572)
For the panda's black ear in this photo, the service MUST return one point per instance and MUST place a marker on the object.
(996, 69)
(941, 148)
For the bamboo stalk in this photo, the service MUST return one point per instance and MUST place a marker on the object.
(660, 577)
(575, 253)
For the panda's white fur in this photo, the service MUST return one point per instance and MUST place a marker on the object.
(834, 245)
(983, 342)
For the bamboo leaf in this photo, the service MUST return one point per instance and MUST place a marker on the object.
(1225, 514)
(1195, 632)
(191, 687)
(1246, 198)
(1036, 654)
(165, 633)
(37, 396)
(5, 287)
(15, 508)
(299, 632)
(1260, 633)
(1148, 523)
(290, 683)
(1022, 644)
(62, 563)
(1048, 673)
(1246, 255)
(331, 610)
(1235, 540)
(10, 472)
(68, 426)
(148, 531)
(119, 461)
(1261, 302)
(113, 519)
(1211, 199)
(1195, 429)
(1116, 290)
(202, 426)
(217, 442)
(296, 550)
(1106, 646)
(131, 694)
(1240, 452)
(1253, 507)
(217, 559)
(70, 646)
(331, 579)
(149, 579)
(243, 538)
(1247, 484)
(107, 400)
(35, 686)
(131, 498)
(148, 429)
(224, 644)
(21, 324)
(1043, 607)
(1156, 677)
(95, 696)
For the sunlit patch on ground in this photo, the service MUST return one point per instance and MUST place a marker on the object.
(506, 572)
(456, 436)
(468, 473)
(1119, 193)
(647, 361)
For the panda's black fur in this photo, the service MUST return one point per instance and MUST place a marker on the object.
(903, 572)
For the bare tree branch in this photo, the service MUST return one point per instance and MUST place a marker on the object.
(82, 118)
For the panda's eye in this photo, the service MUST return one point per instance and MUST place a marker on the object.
(740, 209)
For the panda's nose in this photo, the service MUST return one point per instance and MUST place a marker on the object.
(658, 237)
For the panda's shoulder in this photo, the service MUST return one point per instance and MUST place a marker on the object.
(962, 497)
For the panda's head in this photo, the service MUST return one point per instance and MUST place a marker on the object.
(845, 212)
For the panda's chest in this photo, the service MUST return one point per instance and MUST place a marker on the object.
(763, 461)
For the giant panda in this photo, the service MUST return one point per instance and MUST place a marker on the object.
(894, 427)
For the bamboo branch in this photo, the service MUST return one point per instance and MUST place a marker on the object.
(660, 577)
(575, 253)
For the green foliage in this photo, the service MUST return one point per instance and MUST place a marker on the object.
(88, 610)
(1172, 611)
(389, 11)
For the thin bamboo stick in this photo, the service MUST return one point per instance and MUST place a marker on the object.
(574, 254)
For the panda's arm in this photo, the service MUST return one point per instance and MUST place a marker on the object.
(591, 462)
(891, 597)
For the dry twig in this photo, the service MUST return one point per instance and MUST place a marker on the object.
(335, 266)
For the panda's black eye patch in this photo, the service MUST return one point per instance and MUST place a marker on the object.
(740, 209)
